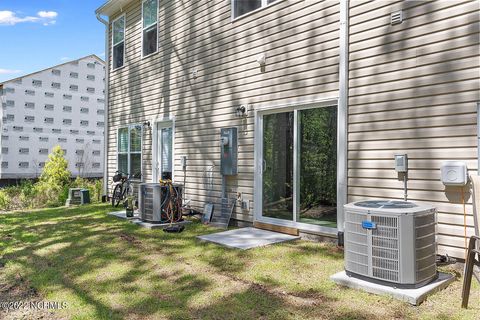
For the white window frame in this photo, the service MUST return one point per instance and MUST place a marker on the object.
(264, 5)
(128, 153)
(123, 41)
(160, 124)
(258, 163)
(147, 27)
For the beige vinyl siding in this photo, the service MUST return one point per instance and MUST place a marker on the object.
(300, 39)
(413, 89)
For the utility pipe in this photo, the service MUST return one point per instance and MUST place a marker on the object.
(106, 128)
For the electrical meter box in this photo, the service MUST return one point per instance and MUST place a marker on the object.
(401, 163)
(228, 151)
(454, 173)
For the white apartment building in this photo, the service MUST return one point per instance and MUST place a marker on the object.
(62, 105)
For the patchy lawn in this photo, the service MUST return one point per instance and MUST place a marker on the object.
(106, 268)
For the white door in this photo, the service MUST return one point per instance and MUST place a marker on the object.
(163, 151)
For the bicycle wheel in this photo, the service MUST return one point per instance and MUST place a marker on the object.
(117, 195)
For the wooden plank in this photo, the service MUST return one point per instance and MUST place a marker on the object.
(276, 228)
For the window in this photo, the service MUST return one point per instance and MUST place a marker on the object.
(10, 90)
(62, 139)
(57, 131)
(67, 121)
(73, 87)
(4, 150)
(5, 137)
(49, 107)
(29, 118)
(67, 96)
(23, 151)
(41, 164)
(48, 120)
(79, 165)
(18, 81)
(84, 123)
(67, 108)
(84, 99)
(79, 152)
(10, 117)
(56, 85)
(56, 72)
(29, 92)
(90, 133)
(91, 77)
(4, 164)
(43, 151)
(94, 165)
(118, 41)
(23, 164)
(129, 149)
(74, 131)
(90, 90)
(91, 65)
(24, 138)
(96, 141)
(79, 140)
(83, 110)
(100, 111)
(17, 128)
(30, 105)
(10, 103)
(96, 152)
(74, 75)
(49, 94)
(100, 123)
(37, 129)
(241, 7)
(100, 100)
(43, 139)
(37, 83)
(149, 25)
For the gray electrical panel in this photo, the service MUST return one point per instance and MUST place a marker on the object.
(229, 151)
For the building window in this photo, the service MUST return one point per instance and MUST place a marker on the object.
(83, 110)
(49, 107)
(5, 137)
(41, 164)
(18, 81)
(129, 150)
(100, 123)
(4, 150)
(99, 100)
(24, 138)
(84, 123)
(79, 152)
(96, 165)
(91, 90)
(74, 75)
(29, 92)
(150, 27)
(96, 141)
(10, 90)
(90, 77)
(17, 128)
(49, 94)
(90, 133)
(74, 131)
(56, 85)
(84, 99)
(23, 164)
(67, 121)
(56, 72)
(79, 140)
(100, 111)
(67, 108)
(30, 105)
(118, 41)
(96, 152)
(43, 139)
(57, 131)
(43, 151)
(91, 65)
(23, 151)
(62, 139)
(48, 120)
(37, 83)
(37, 129)
(10, 103)
(4, 164)
(10, 117)
(241, 7)
(29, 118)
(73, 87)
(67, 96)
(79, 165)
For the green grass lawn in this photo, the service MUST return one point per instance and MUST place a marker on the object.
(107, 268)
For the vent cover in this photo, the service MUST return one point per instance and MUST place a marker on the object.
(396, 17)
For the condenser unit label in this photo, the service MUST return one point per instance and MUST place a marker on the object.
(369, 225)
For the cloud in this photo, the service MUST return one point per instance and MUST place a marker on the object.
(8, 71)
(10, 18)
(65, 59)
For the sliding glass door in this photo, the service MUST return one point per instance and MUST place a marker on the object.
(299, 166)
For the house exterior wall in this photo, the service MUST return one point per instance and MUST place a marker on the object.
(300, 40)
(32, 114)
(414, 89)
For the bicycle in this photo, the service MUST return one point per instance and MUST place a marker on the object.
(123, 189)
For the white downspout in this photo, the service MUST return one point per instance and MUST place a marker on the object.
(107, 73)
(342, 161)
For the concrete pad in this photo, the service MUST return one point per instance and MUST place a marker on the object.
(246, 238)
(412, 296)
(150, 225)
(123, 215)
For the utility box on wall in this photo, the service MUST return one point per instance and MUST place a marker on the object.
(228, 151)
